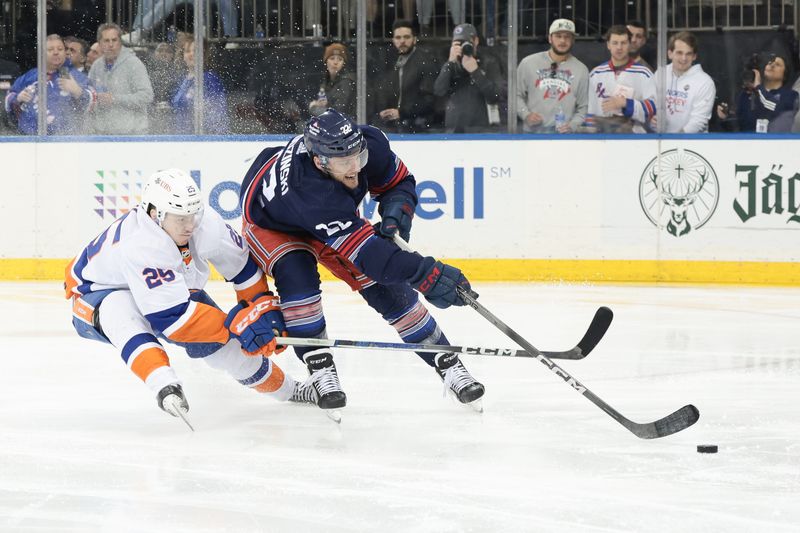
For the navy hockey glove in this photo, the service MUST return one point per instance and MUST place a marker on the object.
(255, 324)
(396, 215)
(439, 283)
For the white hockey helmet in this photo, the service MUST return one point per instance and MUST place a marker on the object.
(172, 191)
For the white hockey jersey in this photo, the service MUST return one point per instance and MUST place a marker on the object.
(134, 253)
(634, 81)
(689, 101)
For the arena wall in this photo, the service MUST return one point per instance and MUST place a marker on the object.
(722, 209)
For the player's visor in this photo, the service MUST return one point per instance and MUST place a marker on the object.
(347, 164)
(183, 221)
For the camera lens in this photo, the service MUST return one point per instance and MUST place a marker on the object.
(467, 48)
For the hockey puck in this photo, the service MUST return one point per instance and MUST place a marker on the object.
(707, 448)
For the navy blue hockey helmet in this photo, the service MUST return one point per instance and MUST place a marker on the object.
(332, 134)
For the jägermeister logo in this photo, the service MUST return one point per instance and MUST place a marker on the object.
(679, 191)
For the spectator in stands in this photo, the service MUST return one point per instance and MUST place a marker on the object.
(338, 87)
(639, 49)
(690, 91)
(92, 55)
(8, 73)
(407, 100)
(553, 86)
(124, 92)
(425, 10)
(215, 104)
(769, 103)
(164, 77)
(76, 52)
(621, 91)
(471, 83)
(69, 96)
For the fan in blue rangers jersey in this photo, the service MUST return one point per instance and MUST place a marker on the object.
(69, 95)
(142, 279)
(300, 206)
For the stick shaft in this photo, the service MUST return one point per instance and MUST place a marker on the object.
(677, 421)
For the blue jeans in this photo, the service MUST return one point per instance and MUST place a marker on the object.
(150, 13)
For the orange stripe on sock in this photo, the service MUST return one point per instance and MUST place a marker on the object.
(148, 361)
(273, 382)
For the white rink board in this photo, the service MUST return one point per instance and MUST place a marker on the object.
(480, 199)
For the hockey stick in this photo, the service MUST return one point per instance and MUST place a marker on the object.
(672, 423)
(576, 353)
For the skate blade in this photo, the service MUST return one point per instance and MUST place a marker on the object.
(475, 405)
(334, 414)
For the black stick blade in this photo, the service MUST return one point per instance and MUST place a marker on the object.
(677, 421)
(597, 328)
(600, 323)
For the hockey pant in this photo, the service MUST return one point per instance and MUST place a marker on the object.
(292, 262)
(112, 316)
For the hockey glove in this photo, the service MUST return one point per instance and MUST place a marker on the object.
(439, 283)
(256, 324)
(396, 215)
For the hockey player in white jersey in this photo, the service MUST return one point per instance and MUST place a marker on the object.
(622, 91)
(142, 279)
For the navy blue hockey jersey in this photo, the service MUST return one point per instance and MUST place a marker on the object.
(284, 191)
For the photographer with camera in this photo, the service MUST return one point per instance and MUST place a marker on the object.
(471, 83)
(767, 103)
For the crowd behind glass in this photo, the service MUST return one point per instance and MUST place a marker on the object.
(124, 84)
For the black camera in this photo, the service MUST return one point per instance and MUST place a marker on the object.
(748, 76)
(467, 49)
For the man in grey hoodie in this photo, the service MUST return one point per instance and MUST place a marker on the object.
(124, 91)
(553, 86)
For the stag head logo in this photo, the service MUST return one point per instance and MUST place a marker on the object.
(679, 191)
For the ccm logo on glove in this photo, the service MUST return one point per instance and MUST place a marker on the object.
(430, 279)
(260, 307)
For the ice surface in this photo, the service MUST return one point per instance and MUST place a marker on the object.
(83, 446)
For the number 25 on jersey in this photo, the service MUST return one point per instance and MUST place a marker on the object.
(155, 277)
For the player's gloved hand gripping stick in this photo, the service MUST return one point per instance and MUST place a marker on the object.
(256, 324)
(672, 423)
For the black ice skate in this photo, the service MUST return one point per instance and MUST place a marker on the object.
(456, 378)
(172, 400)
(325, 380)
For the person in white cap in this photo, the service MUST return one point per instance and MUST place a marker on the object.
(552, 86)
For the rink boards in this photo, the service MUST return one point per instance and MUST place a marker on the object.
(700, 209)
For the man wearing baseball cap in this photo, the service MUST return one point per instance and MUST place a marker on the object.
(552, 86)
(471, 83)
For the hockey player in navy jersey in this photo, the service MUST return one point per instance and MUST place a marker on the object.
(300, 206)
(142, 280)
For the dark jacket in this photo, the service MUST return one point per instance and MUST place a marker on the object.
(340, 92)
(469, 93)
(409, 88)
(778, 106)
